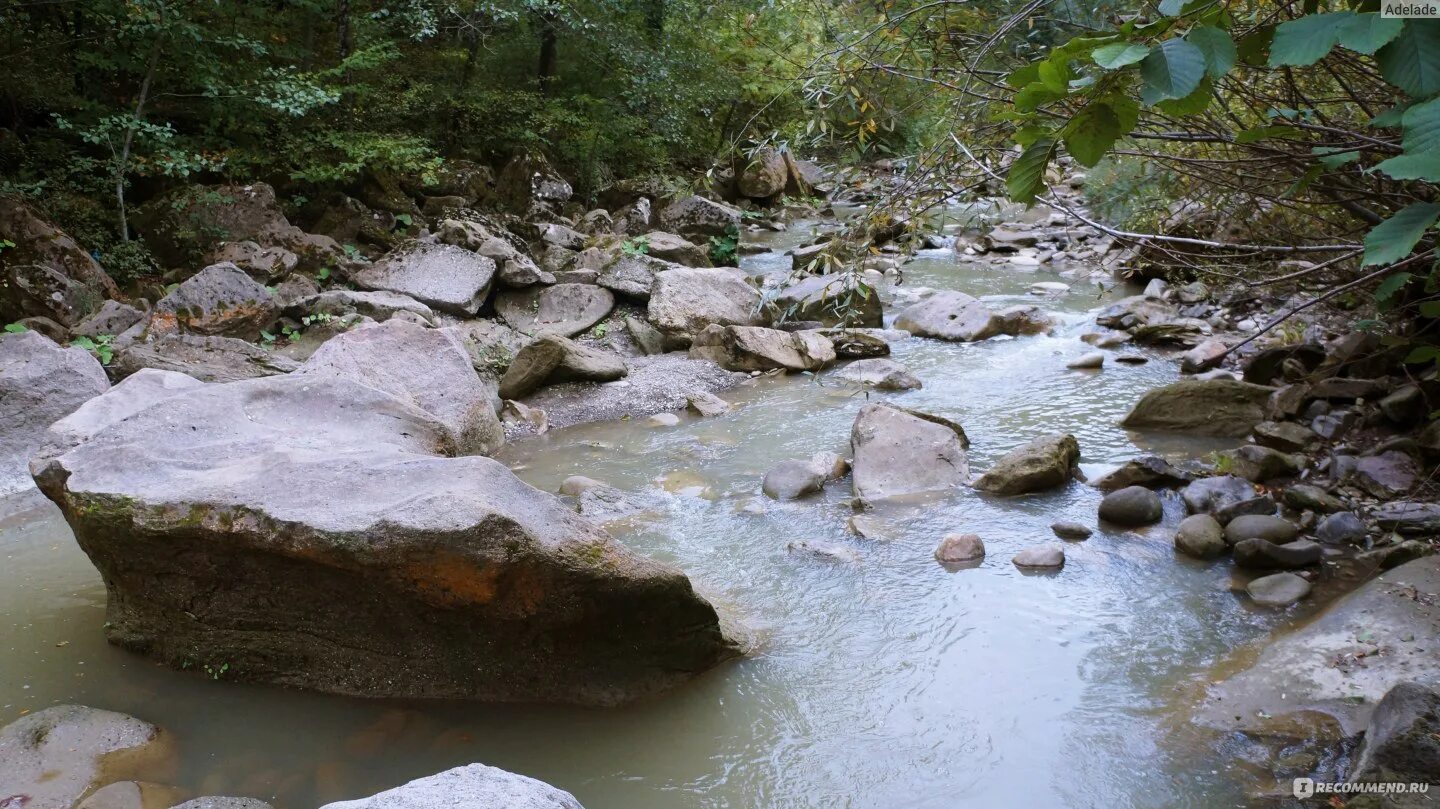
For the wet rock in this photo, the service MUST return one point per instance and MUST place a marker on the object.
(1024, 319)
(877, 374)
(1341, 528)
(388, 550)
(52, 758)
(1071, 530)
(950, 316)
(563, 309)
(1262, 554)
(755, 348)
(837, 299)
(551, 359)
(1090, 361)
(859, 343)
(1043, 463)
(868, 528)
(1387, 475)
(1315, 667)
(697, 218)
(427, 368)
(702, 403)
(40, 383)
(1259, 464)
(1304, 497)
(832, 465)
(633, 275)
(1151, 471)
(1216, 407)
(1049, 557)
(1201, 537)
(1260, 526)
(474, 785)
(1131, 506)
(897, 454)
(1402, 742)
(1137, 310)
(956, 548)
(208, 359)
(603, 503)
(221, 802)
(448, 278)
(825, 551)
(1263, 505)
(684, 301)
(791, 480)
(1278, 589)
(219, 301)
(1181, 332)
(1408, 517)
(1209, 495)
(1286, 436)
(1106, 339)
(1405, 407)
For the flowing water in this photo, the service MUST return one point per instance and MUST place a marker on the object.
(886, 682)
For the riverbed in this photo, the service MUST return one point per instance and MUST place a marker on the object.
(884, 682)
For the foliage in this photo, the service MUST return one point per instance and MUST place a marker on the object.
(725, 250)
(99, 345)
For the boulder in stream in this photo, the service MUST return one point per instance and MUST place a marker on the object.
(1131, 506)
(52, 758)
(474, 785)
(755, 348)
(837, 299)
(40, 383)
(877, 373)
(951, 316)
(897, 454)
(1044, 463)
(1215, 407)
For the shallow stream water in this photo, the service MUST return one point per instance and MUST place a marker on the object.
(888, 682)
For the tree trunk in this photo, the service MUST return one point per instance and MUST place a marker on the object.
(548, 56)
(342, 23)
(122, 161)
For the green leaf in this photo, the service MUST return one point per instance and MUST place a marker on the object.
(1422, 128)
(1218, 47)
(1392, 116)
(1028, 74)
(1119, 54)
(1193, 104)
(1172, 8)
(1412, 167)
(1034, 96)
(1091, 133)
(1173, 69)
(1332, 159)
(1026, 178)
(1055, 74)
(1306, 41)
(1391, 285)
(1393, 239)
(1368, 32)
(1430, 309)
(1254, 49)
(1412, 60)
(1127, 111)
(1420, 354)
(15, 328)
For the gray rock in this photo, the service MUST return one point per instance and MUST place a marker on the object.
(669, 247)
(40, 383)
(703, 403)
(1071, 530)
(763, 174)
(553, 359)
(685, 301)
(755, 348)
(377, 305)
(563, 309)
(832, 465)
(648, 338)
(1265, 367)
(1200, 536)
(131, 395)
(222, 802)
(1306, 669)
(1024, 319)
(1262, 554)
(451, 279)
(1209, 495)
(860, 343)
(1260, 464)
(474, 785)
(1215, 407)
(633, 275)
(113, 317)
(1278, 589)
(41, 262)
(697, 218)
(1151, 471)
(1202, 357)
(219, 301)
(1341, 528)
(824, 551)
(790, 480)
(1286, 436)
(951, 316)
(1137, 310)
(1260, 526)
(1043, 463)
(877, 374)
(1092, 361)
(1131, 506)
(208, 359)
(897, 454)
(1305, 497)
(958, 548)
(35, 290)
(1261, 504)
(1387, 475)
(428, 368)
(837, 299)
(1402, 742)
(51, 758)
(266, 265)
(1408, 517)
(1405, 407)
(1048, 556)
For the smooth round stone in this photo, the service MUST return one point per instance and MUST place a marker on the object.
(664, 420)
(1340, 528)
(1132, 359)
(1071, 530)
(1051, 555)
(1200, 536)
(959, 548)
(1278, 590)
(1091, 361)
(1260, 526)
(1131, 506)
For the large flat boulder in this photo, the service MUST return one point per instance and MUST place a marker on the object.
(563, 309)
(1043, 463)
(698, 218)
(40, 383)
(1216, 407)
(429, 368)
(897, 454)
(951, 316)
(755, 348)
(837, 299)
(451, 279)
(339, 302)
(685, 300)
(552, 359)
(475, 785)
(51, 759)
(208, 359)
(1345, 661)
(219, 301)
(313, 531)
(633, 275)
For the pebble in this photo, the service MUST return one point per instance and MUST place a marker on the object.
(959, 548)
(1051, 555)
(1091, 361)
(1278, 590)
(664, 420)
(1071, 530)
